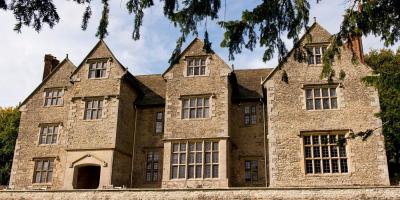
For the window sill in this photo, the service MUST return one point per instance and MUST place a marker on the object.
(193, 179)
(48, 145)
(195, 119)
(98, 78)
(321, 110)
(42, 184)
(53, 106)
(194, 76)
(93, 120)
(328, 174)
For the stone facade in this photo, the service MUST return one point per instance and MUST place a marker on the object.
(211, 128)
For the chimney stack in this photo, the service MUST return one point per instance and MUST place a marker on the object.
(50, 62)
(357, 47)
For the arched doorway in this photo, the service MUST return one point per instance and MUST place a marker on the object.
(87, 177)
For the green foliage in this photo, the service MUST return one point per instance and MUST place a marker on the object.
(342, 75)
(386, 66)
(9, 123)
(268, 24)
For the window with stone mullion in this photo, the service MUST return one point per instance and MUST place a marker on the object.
(48, 134)
(196, 67)
(321, 98)
(152, 166)
(323, 155)
(93, 109)
(195, 107)
(43, 172)
(53, 97)
(97, 69)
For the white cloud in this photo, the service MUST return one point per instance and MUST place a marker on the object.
(21, 63)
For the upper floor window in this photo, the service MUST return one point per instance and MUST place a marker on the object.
(53, 97)
(93, 109)
(251, 170)
(48, 134)
(315, 54)
(318, 98)
(152, 166)
(43, 172)
(323, 155)
(97, 69)
(192, 160)
(250, 115)
(159, 122)
(196, 66)
(195, 107)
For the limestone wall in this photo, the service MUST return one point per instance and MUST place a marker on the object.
(365, 193)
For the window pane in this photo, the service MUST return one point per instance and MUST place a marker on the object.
(317, 59)
(307, 152)
(215, 171)
(332, 139)
(324, 139)
(175, 147)
(309, 93)
(316, 152)
(202, 70)
(325, 92)
(174, 158)
(325, 103)
(198, 171)
(199, 113)
(315, 140)
(199, 146)
(191, 171)
(343, 165)
(333, 92)
(196, 70)
(199, 157)
(334, 103)
(317, 50)
(183, 147)
(317, 92)
(317, 104)
(182, 158)
(185, 113)
(215, 157)
(207, 171)
(199, 102)
(203, 62)
(181, 171)
(307, 140)
(191, 146)
(325, 151)
(207, 157)
(207, 146)
(326, 166)
(309, 166)
(192, 112)
(317, 166)
(206, 102)
(37, 177)
(335, 166)
(206, 112)
(342, 151)
(309, 104)
(174, 172)
(191, 158)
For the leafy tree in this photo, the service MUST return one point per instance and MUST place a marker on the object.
(9, 123)
(386, 66)
(267, 24)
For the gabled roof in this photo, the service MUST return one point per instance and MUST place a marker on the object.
(314, 26)
(66, 60)
(194, 41)
(153, 90)
(100, 42)
(246, 83)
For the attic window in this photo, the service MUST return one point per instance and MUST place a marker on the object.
(196, 66)
(97, 69)
(315, 54)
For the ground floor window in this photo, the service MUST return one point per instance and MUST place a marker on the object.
(152, 166)
(322, 154)
(197, 159)
(43, 172)
(251, 170)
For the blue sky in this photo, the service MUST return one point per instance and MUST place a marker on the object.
(21, 63)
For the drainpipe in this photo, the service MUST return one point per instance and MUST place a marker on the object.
(133, 147)
(265, 144)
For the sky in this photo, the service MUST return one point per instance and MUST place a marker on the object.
(22, 54)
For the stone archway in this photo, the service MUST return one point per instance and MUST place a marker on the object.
(86, 176)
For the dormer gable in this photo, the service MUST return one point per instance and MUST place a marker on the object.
(98, 64)
(196, 61)
(57, 78)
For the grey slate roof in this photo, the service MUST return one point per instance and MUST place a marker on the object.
(153, 89)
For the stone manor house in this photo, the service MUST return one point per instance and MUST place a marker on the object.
(200, 124)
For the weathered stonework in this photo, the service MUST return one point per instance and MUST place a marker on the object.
(118, 144)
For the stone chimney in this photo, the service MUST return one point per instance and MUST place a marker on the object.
(50, 62)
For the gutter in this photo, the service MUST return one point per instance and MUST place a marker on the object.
(265, 145)
(133, 149)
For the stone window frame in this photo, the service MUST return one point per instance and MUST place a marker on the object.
(321, 97)
(250, 169)
(104, 70)
(150, 166)
(97, 109)
(47, 125)
(159, 121)
(314, 55)
(184, 152)
(41, 170)
(196, 107)
(50, 98)
(188, 59)
(329, 156)
(250, 115)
